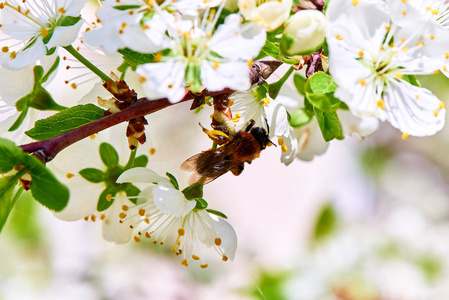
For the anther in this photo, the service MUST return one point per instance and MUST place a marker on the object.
(217, 241)
(381, 104)
(181, 231)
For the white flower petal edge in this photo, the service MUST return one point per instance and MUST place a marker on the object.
(141, 175)
(280, 127)
(225, 232)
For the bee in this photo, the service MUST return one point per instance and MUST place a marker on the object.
(234, 151)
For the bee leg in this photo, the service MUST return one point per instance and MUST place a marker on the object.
(219, 137)
(238, 169)
(250, 125)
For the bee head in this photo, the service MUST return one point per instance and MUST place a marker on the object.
(260, 134)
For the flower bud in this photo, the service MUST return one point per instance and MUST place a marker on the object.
(269, 14)
(304, 33)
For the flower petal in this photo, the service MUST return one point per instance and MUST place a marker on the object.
(413, 110)
(144, 175)
(113, 230)
(171, 201)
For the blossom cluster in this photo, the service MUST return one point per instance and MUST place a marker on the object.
(353, 64)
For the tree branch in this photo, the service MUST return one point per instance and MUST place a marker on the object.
(46, 150)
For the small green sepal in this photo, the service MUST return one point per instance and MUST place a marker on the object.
(217, 213)
(173, 180)
(192, 192)
(93, 175)
(109, 155)
(200, 203)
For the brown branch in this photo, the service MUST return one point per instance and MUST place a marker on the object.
(46, 150)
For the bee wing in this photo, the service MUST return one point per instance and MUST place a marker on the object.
(209, 165)
(190, 165)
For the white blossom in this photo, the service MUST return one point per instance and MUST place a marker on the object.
(32, 28)
(123, 28)
(85, 194)
(201, 59)
(371, 71)
(163, 210)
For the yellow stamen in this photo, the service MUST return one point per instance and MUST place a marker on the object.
(381, 104)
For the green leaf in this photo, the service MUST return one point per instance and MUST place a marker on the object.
(326, 223)
(7, 185)
(109, 155)
(300, 117)
(103, 202)
(319, 91)
(173, 180)
(44, 187)
(299, 82)
(217, 213)
(329, 124)
(200, 203)
(269, 49)
(320, 83)
(10, 155)
(140, 161)
(192, 192)
(93, 175)
(65, 121)
(69, 21)
(134, 58)
(326, 102)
